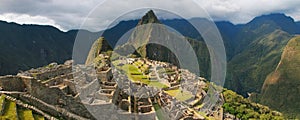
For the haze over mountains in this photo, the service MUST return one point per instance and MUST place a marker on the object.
(254, 51)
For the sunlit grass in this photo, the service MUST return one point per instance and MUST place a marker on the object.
(159, 113)
(38, 117)
(10, 110)
(25, 114)
(2, 99)
(179, 94)
(136, 75)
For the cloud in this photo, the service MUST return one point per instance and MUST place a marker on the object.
(70, 15)
(27, 19)
(242, 11)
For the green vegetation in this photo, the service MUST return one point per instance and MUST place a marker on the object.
(25, 114)
(138, 75)
(10, 110)
(29, 46)
(166, 71)
(165, 55)
(38, 117)
(179, 94)
(248, 69)
(2, 103)
(99, 46)
(159, 113)
(253, 52)
(281, 87)
(245, 109)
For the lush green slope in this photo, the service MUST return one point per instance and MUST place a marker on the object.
(9, 110)
(281, 89)
(248, 69)
(245, 109)
(27, 46)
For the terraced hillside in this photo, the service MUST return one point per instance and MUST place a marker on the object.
(9, 109)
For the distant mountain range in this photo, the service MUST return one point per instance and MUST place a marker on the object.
(254, 51)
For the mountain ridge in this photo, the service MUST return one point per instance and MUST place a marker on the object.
(281, 86)
(253, 49)
(235, 37)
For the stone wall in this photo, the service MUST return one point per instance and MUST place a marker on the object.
(63, 70)
(89, 88)
(12, 83)
(105, 76)
(54, 110)
(71, 86)
(147, 116)
(105, 111)
(55, 96)
(58, 79)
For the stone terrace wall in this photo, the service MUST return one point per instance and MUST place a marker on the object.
(53, 73)
(71, 86)
(12, 83)
(55, 96)
(89, 88)
(147, 116)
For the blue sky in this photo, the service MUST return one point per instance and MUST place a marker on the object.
(67, 15)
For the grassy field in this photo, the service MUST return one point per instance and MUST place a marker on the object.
(179, 94)
(137, 75)
(38, 117)
(25, 114)
(10, 110)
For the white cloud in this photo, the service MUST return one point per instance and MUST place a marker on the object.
(242, 11)
(27, 19)
(70, 15)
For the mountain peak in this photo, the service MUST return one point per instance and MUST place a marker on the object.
(149, 17)
(277, 21)
(277, 16)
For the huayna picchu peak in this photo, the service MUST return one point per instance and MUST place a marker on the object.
(149, 17)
